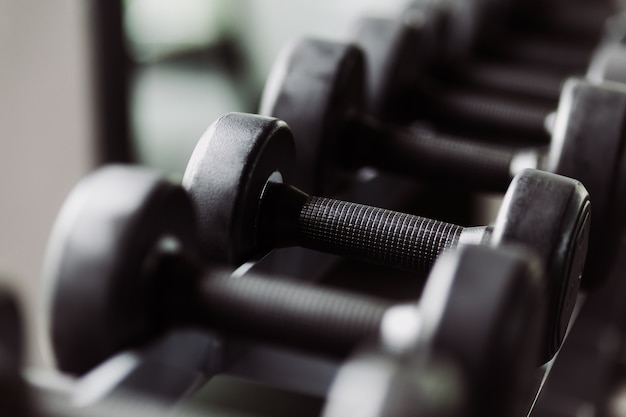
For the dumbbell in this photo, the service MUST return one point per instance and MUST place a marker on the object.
(120, 267)
(399, 87)
(317, 88)
(237, 179)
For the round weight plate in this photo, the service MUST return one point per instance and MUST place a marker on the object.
(485, 307)
(225, 179)
(313, 86)
(392, 54)
(107, 231)
(608, 64)
(550, 214)
(587, 144)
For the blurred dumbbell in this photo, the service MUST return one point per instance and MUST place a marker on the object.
(18, 398)
(449, 331)
(399, 86)
(121, 268)
(563, 44)
(461, 28)
(121, 265)
(237, 179)
(317, 88)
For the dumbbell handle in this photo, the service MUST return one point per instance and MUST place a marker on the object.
(289, 217)
(490, 111)
(424, 153)
(317, 319)
(582, 20)
(513, 79)
(547, 54)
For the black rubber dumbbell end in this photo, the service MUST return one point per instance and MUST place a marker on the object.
(113, 240)
(562, 246)
(227, 174)
(588, 144)
(330, 94)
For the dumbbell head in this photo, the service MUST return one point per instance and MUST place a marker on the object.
(489, 350)
(588, 144)
(475, 311)
(228, 173)
(462, 25)
(544, 211)
(103, 240)
(550, 214)
(393, 67)
(316, 101)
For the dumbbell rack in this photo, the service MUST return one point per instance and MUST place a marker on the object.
(183, 366)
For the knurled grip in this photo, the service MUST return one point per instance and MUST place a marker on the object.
(318, 319)
(373, 234)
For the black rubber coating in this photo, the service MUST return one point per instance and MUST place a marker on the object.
(319, 319)
(512, 79)
(377, 235)
(481, 110)
(425, 153)
(548, 54)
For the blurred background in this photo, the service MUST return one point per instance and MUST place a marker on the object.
(88, 82)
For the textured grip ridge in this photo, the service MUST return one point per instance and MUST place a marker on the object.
(321, 319)
(373, 234)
